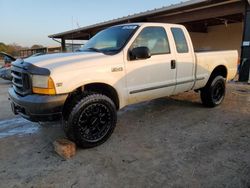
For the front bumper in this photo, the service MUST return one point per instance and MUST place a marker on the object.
(37, 107)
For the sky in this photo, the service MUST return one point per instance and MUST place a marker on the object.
(28, 22)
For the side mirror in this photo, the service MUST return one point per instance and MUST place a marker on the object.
(140, 53)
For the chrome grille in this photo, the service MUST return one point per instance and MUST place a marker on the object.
(21, 81)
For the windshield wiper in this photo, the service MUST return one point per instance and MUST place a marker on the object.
(104, 51)
(95, 49)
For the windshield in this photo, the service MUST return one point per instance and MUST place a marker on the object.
(111, 40)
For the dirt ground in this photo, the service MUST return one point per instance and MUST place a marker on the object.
(168, 142)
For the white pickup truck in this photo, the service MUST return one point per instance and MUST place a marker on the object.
(119, 66)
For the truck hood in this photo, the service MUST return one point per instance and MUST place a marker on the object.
(55, 61)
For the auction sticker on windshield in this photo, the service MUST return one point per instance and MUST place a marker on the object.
(130, 27)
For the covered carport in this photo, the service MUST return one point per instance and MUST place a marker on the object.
(213, 25)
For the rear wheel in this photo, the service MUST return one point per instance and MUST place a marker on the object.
(214, 92)
(91, 121)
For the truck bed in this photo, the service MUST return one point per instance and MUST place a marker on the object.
(207, 61)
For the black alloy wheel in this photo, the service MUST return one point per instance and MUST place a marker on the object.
(214, 92)
(94, 122)
(91, 121)
(218, 92)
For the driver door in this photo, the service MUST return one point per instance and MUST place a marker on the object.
(152, 77)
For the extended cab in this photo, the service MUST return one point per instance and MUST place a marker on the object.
(119, 66)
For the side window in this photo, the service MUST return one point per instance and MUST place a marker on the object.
(155, 38)
(180, 40)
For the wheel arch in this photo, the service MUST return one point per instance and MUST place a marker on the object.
(96, 87)
(220, 70)
(104, 89)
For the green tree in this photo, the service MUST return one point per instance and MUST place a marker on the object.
(3, 47)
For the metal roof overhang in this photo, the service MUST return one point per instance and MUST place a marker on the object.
(196, 15)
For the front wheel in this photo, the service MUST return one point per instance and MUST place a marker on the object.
(91, 121)
(214, 92)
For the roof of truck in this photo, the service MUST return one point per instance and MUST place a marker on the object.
(148, 24)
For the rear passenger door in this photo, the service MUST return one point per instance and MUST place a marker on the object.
(185, 60)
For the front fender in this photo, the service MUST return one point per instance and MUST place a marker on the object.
(69, 81)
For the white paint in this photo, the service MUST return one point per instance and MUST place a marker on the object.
(78, 69)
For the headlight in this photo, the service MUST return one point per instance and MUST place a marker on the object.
(43, 85)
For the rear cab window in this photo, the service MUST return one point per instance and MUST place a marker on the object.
(180, 40)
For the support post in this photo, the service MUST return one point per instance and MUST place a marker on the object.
(244, 72)
(63, 45)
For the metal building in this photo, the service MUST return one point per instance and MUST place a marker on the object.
(213, 25)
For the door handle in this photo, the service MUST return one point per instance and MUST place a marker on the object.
(173, 64)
